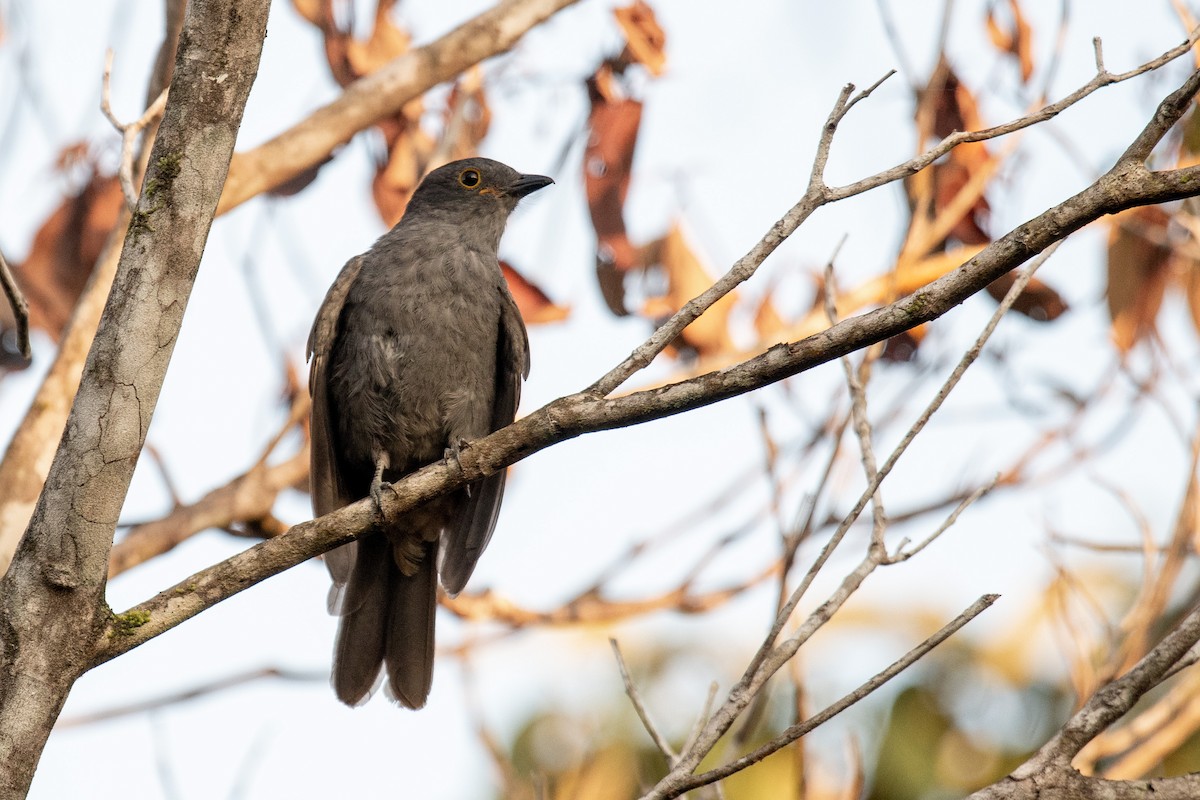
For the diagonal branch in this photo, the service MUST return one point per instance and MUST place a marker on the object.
(1125, 186)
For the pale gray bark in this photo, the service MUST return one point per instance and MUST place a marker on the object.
(52, 598)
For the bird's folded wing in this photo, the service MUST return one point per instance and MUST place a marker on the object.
(477, 519)
(328, 493)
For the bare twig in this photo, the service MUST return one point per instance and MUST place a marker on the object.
(20, 307)
(200, 690)
(129, 130)
(904, 553)
(660, 741)
(687, 782)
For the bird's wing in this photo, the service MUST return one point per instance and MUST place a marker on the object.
(328, 492)
(473, 528)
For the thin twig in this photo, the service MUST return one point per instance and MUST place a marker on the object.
(129, 130)
(660, 741)
(201, 690)
(903, 554)
(858, 407)
(20, 307)
(794, 732)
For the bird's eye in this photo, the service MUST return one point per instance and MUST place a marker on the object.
(469, 178)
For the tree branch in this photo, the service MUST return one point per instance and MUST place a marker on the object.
(380, 94)
(52, 597)
(20, 307)
(1126, 185)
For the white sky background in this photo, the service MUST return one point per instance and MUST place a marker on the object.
(726, 143)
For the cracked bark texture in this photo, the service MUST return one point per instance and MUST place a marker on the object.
(52, 597)
(27, 460)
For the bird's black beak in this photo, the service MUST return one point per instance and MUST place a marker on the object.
(528, 184)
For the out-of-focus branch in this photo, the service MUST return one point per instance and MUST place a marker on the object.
(1050, 767)
(384, 92)
(191, 693)
(592, 607)
(248, 498)
(688, 782)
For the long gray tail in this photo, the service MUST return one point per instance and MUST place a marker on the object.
(386, 618)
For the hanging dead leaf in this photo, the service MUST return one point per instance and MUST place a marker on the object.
(314, 11)
(687, 277)
(1015, 38)
(949, 179)
(386, 42)
(409, 150)
(1138, 258)
(535, 306)
(607, 168)
(465, 121)
(768, 324)
(1188, 271)
(644, 37)
(1037, 300)
(65, 250)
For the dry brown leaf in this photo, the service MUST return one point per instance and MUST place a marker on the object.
(1037, 300)
(466, 119)
(409, 151)
(316, 12)
(65, 250)
(1138, 258)
(535, 306)
(687, 277)
(607, 167)
(767, 322)
(644, 37)
(1188, 270)
(387, 41)
(949, 179)
(1016, 39)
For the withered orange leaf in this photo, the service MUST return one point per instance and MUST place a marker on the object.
(535, 306)
(1188, 270)
(1015, 39)
(687, 277)
(1138, 259)
(644, 37)
(387, 41)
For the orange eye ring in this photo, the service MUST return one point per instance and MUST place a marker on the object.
(469, 178)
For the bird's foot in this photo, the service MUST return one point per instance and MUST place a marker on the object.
(377, 487)
(453, 453)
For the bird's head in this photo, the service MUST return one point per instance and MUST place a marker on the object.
(474, 190)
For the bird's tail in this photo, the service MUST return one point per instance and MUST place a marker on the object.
(386, 619)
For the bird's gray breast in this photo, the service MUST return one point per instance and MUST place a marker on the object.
(413, 369)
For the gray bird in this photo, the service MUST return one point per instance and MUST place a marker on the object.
(417, 349)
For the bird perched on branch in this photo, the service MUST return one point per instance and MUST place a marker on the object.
(417, 349)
